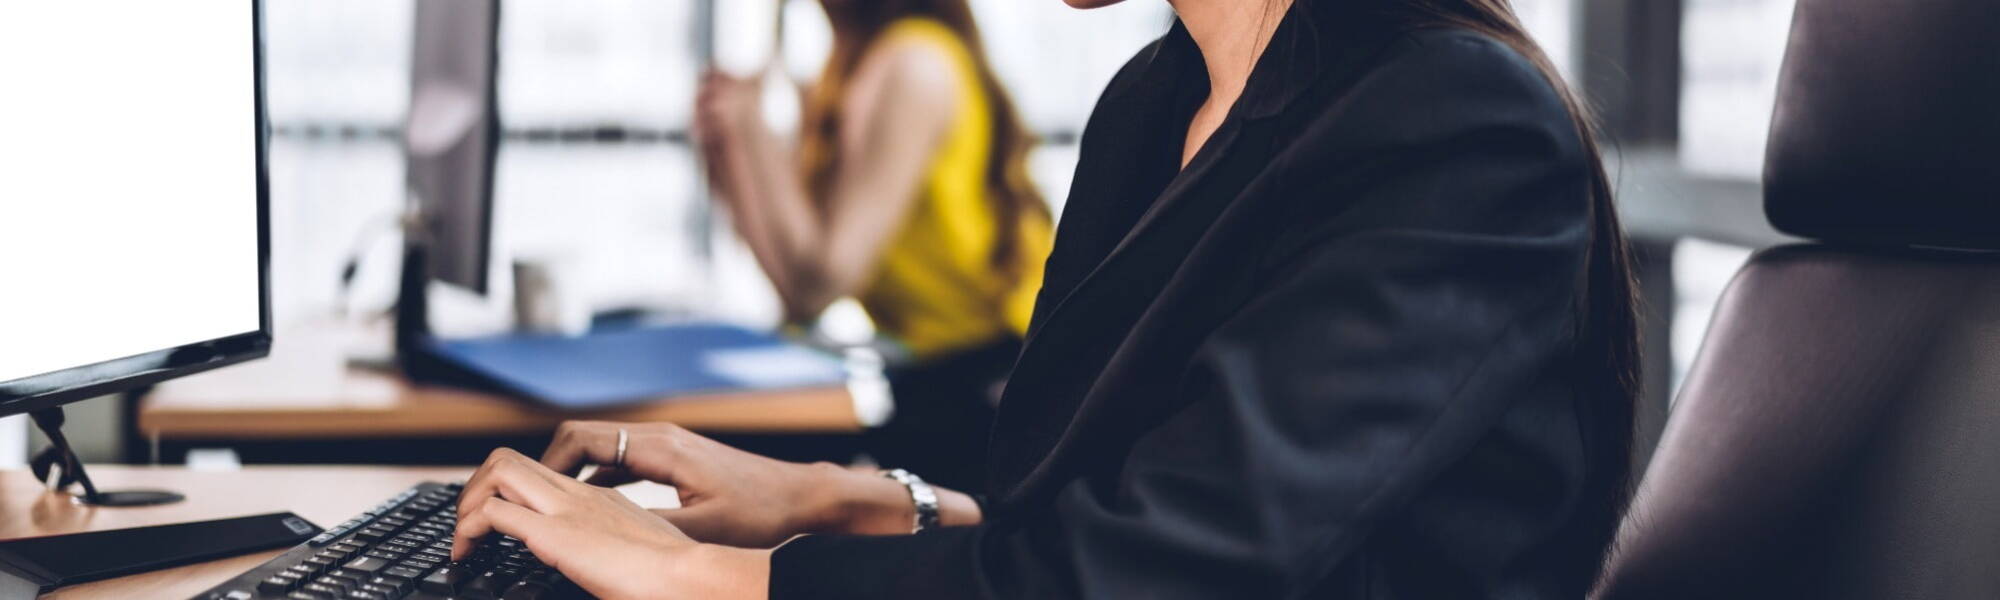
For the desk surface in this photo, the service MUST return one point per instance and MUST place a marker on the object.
(305, 390)
(323, 495)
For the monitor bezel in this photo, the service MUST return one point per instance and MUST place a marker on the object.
(56, 388)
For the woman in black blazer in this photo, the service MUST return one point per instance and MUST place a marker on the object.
(1339, 308)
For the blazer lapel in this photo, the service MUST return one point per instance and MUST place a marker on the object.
(1090, 304)
(1177, 192)
(1125, 163)
(1147, 110)
(1079, 334)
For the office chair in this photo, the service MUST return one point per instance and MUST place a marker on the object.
(1839, 434)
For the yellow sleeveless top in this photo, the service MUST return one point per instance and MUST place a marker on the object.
(936, 289)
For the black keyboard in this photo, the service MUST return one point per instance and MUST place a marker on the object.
(401, 549)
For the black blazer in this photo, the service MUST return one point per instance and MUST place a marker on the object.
(1332, 358)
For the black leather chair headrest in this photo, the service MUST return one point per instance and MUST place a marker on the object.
(1887, 129)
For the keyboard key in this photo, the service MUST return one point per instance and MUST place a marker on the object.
(365, 595)
(483, 587)
(528, 590)
(367, 564)
(446, 580)
(308, 595)
(396, 585)
(349, 577)
(384, 554)
(321, 588)
(277, 584)
(403, 572)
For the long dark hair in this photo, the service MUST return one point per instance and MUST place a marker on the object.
(1607, 348)
(859, 23)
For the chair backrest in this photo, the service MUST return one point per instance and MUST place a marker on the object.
(1887, 125)
(1839, 437)
(1839, 434)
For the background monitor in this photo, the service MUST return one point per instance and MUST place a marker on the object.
(134, 211)
(453, 134)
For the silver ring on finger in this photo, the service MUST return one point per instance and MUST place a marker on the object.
(618, 460)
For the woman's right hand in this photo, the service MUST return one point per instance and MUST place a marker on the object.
(724, 105)
(729, 496)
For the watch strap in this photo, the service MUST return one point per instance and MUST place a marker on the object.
(922, 495)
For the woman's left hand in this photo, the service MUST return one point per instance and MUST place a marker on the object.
(724, 105)
(597, 537)
(725, 109)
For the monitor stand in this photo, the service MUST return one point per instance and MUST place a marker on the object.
(413, 337)
(413, 318)
(59, 454)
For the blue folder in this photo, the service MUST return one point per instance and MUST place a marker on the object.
(608, 369)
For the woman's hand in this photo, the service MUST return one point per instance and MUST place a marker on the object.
(724, 106)
(733, 497)
(725, 109)
(598, 538)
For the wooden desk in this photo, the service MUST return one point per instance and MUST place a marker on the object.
(323, 495)
(305, 390)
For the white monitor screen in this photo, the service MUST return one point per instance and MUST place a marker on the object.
(128, 193)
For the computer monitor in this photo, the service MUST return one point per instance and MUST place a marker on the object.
(453, 133)
(134, 203)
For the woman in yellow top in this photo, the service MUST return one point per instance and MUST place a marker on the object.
(909, 192)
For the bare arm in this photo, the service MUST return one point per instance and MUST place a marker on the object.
(898, 111)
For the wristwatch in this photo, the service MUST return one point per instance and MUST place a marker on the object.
(921, 494)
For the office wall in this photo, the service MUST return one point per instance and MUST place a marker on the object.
(94, 428)
(13, 442)
(337, 64)
(1731, 52)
